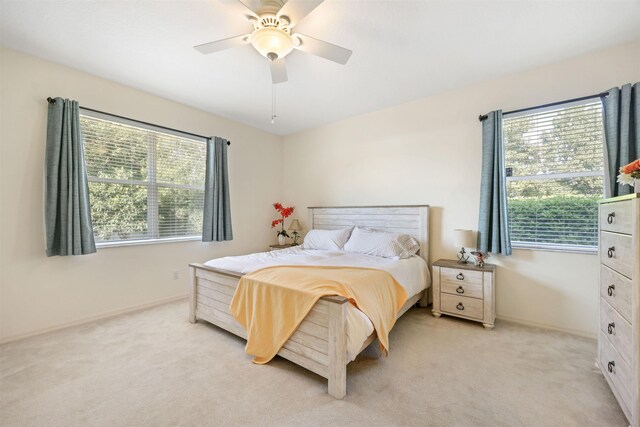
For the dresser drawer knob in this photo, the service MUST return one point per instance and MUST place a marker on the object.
(610, 366)
(610, 290)
(460, 306)
(611, 328)
(460, 276)
(460, 290)
(611, 217)
(611, 252)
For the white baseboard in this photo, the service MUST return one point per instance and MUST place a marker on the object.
(549, 327)
(161, 301)
(101, 316)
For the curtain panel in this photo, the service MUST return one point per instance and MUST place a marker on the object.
(493, 225)
(217, 209)
(69, 230)
(622, 137)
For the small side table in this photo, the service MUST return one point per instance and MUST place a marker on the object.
(277, 247)
(464, 290)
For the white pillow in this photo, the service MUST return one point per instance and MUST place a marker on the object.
(381, 243)
(328, 240)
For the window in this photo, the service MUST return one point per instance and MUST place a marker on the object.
(555, 175)
(145, 183)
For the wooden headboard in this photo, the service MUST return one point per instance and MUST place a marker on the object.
(412, 220)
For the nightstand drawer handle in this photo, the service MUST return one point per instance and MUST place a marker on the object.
(460, 276)
(460, 290)
(611, 217)
(611, 328)
(611, 252)
(610, 290)
(610, 366)
(460, 306)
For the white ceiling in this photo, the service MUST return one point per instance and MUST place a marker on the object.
(402, 50)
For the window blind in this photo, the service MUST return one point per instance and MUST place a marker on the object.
(555, 175)
(145, 183)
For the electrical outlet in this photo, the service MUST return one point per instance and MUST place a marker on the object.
(176, 275)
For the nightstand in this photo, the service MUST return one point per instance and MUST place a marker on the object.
(464, 290)
(276, 247)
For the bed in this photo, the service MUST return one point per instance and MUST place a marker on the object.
(329, 337)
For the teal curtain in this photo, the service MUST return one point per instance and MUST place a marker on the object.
(622, 136)
(67, 210)
(217, 209)
(493, 225)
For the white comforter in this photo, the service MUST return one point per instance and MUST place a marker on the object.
(412, 273)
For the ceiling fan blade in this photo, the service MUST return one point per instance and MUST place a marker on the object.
(242, 7)
(296, 10)
(211, 47)
(323, 49)
(278, 71)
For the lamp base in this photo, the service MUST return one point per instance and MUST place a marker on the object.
(463, 258)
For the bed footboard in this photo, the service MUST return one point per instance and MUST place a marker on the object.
(319, 344)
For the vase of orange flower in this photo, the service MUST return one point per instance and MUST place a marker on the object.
(630, 175)
(284, 213)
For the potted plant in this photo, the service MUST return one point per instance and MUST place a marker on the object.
(284, 213)
(630, 175)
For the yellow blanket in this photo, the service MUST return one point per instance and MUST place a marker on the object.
(271, 303)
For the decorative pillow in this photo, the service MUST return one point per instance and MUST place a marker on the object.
(328, 240)
(381, 243)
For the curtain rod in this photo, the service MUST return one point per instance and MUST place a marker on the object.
(483, 117)
(52, 101)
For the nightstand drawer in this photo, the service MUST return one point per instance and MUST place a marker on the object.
(462, 306)
(463, 289)
(616, 251)
(617, 330)
(461, 276)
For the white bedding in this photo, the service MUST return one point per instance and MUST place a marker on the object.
(412, 273)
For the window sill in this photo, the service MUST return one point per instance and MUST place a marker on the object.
(587, 250)
(105, 245)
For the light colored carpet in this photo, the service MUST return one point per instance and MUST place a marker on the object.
(155, 368)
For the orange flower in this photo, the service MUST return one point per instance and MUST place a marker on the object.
(631, 167)
(286, 212)
(275, 222)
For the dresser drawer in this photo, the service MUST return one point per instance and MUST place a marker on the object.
(617, 330)
(452, 275)
(462, 306)
(463, 289)
(616, 290)
(617, 217)
(616, 251)
(615, 369)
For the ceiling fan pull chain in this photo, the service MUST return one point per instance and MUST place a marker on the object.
(273, 104)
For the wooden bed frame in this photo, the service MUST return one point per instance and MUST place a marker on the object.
(320, 342)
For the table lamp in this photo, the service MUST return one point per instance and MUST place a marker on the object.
(463, 239)
(295, 227)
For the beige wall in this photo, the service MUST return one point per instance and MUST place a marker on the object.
(38, 293)
(425, 151)
(428, 152)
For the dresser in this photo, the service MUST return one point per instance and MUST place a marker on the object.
(464, 290)
(619, 334)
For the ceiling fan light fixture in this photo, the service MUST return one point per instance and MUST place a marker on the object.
(271, 41)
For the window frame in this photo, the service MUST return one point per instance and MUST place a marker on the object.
(151, 184)
(552, 247)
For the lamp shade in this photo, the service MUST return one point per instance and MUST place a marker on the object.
(463, 239)
(295, 225)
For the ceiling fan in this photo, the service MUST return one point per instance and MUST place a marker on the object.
(272, 23)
